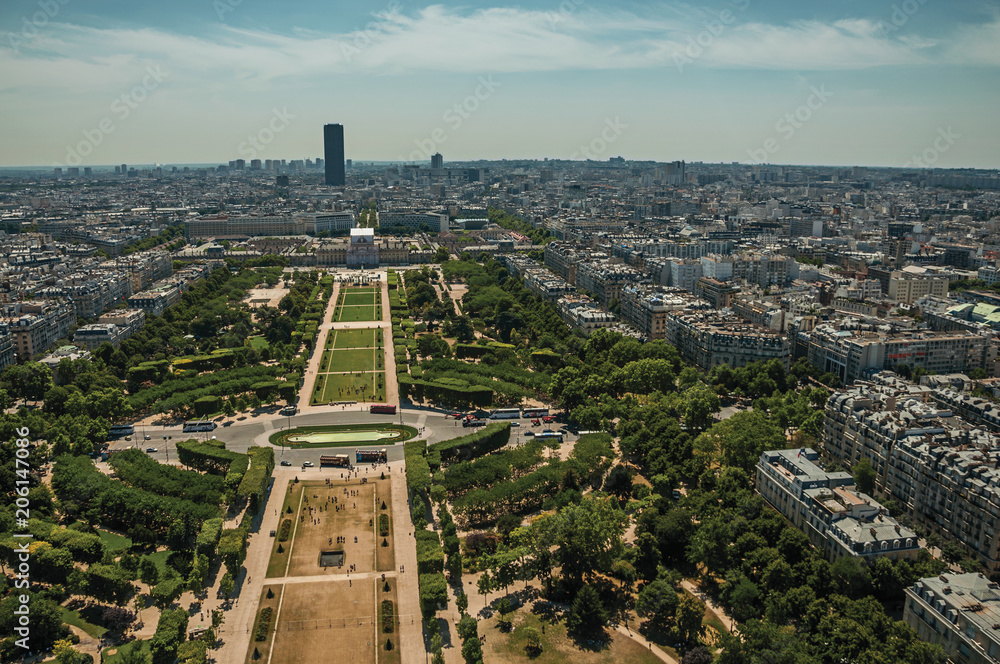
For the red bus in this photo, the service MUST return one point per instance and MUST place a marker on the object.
(382, 408)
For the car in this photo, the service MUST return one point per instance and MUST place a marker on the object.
(535, 422)
(529, 432)
(547, 431)
(308, 464)
(286, 463)
(457, 416)
(129, 438)
(151, 449)
(147, 437)
(548, 418)
(515, 424)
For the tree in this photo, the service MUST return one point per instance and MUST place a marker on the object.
(741, 439)
(619, 482)
(226, 585)
(472, 651)
(587, 616)
(700, 402)
(462, 601)
(467, 627)
(690, 613)
(589, 536)
(658, 603)
(864, 476)
(533, 641)
(149, 573)
(698, 655)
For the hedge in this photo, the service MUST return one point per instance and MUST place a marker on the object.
(490, 438)
(383, 525)
(208, 537)
(233, 549)
(433, 592)
(286, 530)
(260, 634)
(388, 619)
(430, 555)
(205, 457)
(418, 473)
(256, 479)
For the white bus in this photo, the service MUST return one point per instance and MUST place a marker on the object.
(535, 412)
(505, 414)
(192, 426)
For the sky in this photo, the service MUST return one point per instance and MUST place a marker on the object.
(854, 82)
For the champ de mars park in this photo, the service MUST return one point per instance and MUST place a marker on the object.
(423, 466)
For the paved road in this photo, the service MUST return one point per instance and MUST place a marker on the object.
(434, 426)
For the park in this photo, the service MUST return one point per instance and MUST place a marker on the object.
(331, 574)
(352, 365)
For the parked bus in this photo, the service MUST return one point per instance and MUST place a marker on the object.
(474, 423)
(371, 456)
(382, 408)
(199, 425)
(120, 431)
(339, 460)
(549, 435)
(505, 414)
(535, 413)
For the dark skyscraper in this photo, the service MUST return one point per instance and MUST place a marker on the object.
(333, 154)
(437, 161)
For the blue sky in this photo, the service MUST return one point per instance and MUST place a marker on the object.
(849, 82)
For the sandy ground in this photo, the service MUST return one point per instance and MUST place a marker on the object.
(272, 295)
(238, 625)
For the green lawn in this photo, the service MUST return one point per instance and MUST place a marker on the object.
(277, 563)
(160, 558)
(259, 343)
(351, 299)
(114, 542)
(73, 618)
(557, 647)
(359, 359)
(403, 433)
(356, 314)
(356, 387)
(114, 659)
(358, 289)
(354, 338)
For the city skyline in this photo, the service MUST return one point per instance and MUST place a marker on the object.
(909, 84)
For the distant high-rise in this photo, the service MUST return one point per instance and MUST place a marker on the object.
(333, 154)
(437, 161)
(124, 169)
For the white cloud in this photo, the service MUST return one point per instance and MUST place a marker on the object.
(502, 39)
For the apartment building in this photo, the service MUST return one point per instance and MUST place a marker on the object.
(605, 279)
(430, 222)
(646, 307)
(907, 288)
(545, 285)
(944, 469)
(92, 336)
(156, 300)
(584, 314)
(130, 320)
(236, 227)
(714, 337)
(760, 312)
(854, 350)
(718, 293)
(563, 258)
(839, 520)
(36, 326)
(8, 349)
(960, 613)
(684, 273)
